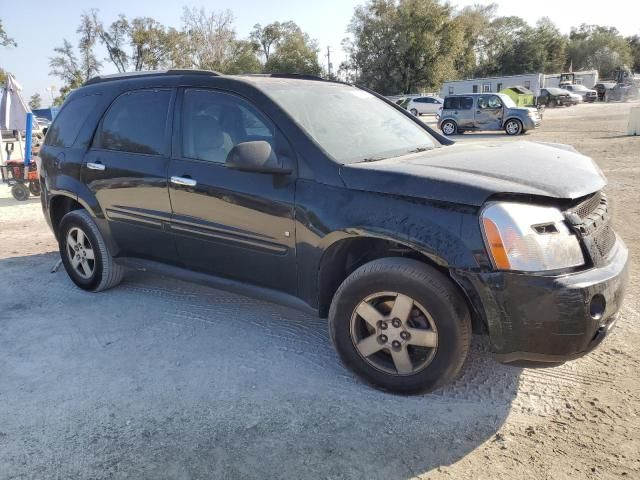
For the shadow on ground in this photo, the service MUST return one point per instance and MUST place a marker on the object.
(10, 201)
(160, 378)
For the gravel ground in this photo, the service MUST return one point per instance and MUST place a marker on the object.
(160, 378)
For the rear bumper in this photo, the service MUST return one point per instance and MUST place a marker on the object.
(549, 319)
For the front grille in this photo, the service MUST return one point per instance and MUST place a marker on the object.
(604, 238)
(591, 219)
(588, 206)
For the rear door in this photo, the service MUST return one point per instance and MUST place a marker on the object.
(227, 222)
(489, 112)
(126, 169)
(464, 112)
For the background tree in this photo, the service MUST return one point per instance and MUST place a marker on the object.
(634, 46)
(405, 46)
(598, 47)
(211, 38)
(5, 39)
(35, 101)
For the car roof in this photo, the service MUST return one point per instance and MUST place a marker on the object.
(253, 78)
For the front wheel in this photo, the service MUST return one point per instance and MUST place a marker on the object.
(414, 112)
(449, 127)
(400, 325)
(85, 255)
(513, 127)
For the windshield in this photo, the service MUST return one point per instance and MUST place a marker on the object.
(349, 124)
(507, 100)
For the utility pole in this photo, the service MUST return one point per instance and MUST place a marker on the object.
(329, 61)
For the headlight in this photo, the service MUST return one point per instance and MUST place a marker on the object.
(529, 238)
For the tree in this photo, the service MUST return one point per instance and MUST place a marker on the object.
(634, 46)
(115, 38)
(35, 101)
(89, 64)
(65, 66)
(5, 39)
(475, 22)
(406, 45)
(598, 47)
(211, 38)
(295, 52)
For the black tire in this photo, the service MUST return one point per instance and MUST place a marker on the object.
(34, 188)
(430, 289)
(449, 127)
(414, 112)
(106, 272)
(20, 192)
(513, 126)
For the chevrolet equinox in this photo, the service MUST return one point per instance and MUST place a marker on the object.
(326, 196)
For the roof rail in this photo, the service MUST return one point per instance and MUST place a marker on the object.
(128, 75)
(301, 76)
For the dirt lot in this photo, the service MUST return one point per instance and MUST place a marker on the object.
(163, 379)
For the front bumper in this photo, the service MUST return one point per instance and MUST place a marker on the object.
(549, 319)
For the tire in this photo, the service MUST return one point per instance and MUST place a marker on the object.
(513, 127)
(431, 292)
(20, 192)
(34, 188)
(449, 127)
(94, 275)
(414, 112)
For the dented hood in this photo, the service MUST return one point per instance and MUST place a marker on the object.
(471, 173)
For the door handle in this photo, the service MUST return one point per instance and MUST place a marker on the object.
(187, 182)
(96, 166)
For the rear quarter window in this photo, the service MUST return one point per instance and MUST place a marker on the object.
(69, 121)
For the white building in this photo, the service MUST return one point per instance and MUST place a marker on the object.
(532, 81)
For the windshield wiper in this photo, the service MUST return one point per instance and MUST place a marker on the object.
(373, 159)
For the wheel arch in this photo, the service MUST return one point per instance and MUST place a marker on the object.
(346, 253)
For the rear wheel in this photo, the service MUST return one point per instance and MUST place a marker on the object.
(449, 127)
(400, 325)
(20, 192)
(34, 188)
(85, 255)
(513, 127)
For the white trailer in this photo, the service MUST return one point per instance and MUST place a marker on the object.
(532, 81)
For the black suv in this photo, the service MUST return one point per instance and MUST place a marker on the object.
(327, 196)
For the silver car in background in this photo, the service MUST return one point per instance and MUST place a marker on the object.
(486, 111)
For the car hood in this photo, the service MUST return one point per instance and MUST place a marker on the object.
(471, 173)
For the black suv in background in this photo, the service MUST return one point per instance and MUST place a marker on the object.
(327, 196)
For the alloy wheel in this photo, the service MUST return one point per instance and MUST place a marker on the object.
(394, 333)
(81, 253)
(448, 128)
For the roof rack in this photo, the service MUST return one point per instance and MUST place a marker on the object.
(300, 76)
(128, 75)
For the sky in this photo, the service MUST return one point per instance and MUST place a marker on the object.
(38, 26)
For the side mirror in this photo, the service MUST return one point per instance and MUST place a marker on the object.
(257, 157)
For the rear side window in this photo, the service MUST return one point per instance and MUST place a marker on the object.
(137, 123)
(458, 103)
(69, 121)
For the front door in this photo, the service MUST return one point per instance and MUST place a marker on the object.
(227, 222)
(489, 113)
(126, 169)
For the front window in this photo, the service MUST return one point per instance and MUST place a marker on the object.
(507, 100)
(349, 124)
